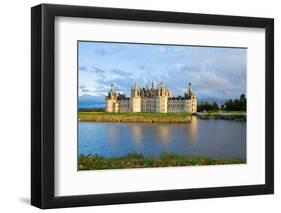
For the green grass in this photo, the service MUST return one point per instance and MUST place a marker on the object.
(135, 160)
(135, 117)
(146, 114)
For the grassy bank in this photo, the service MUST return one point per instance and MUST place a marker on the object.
(222, 112)
(135, 117)
(134, 160)
(224, 115)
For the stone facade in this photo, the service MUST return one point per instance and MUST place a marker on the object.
(154, 99)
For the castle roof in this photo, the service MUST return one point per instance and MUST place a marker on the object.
(122, 97)
(146, 92)
(177, 98)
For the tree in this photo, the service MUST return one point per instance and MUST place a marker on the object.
(243, 102)
(206, 106)
(229, 105)
(236, 104)
(215, 106)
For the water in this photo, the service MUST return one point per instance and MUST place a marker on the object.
(214, 138)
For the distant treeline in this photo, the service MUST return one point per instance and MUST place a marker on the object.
(92, 110)
(229, 105)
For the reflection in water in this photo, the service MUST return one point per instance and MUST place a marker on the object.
(112, 134)
(191, 129)
(214, 138)
(137, 133)
(163, 132)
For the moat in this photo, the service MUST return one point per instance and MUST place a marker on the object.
(222, 139)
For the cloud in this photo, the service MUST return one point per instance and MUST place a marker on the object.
(82, 68)
(120, 73)
(189, 67)
(92, 69)
(141, 65)
(122, 79)
(85, 90)
(97, 70)
(104, 49)
(215, 73)
(101, 52)
(213, 81)
(102, 91)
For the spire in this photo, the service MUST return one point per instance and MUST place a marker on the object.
(152, 85)
(190, 93)
(111, 93)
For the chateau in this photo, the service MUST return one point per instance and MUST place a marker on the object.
(154, 99)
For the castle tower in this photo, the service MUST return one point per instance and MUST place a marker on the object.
(161, 99)
(152, 85)
(193, 103)
(111, 104)
(135, 103)
(189, 92)
(193, 100)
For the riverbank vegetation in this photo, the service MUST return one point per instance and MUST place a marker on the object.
(135, 160)
(92, 110)
(223, 115)
(229, 105)
(135, 117)
(223, 112)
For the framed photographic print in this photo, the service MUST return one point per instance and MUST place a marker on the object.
(140, 106)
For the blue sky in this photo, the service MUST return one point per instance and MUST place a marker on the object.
(215, 73)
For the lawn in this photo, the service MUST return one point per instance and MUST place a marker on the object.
(146, 114)
(135, 117)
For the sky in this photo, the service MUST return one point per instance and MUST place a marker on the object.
(216, 73)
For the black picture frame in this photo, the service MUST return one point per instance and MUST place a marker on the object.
(43, 101)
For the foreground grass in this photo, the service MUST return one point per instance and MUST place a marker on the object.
(135, 160)
(135, 117)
